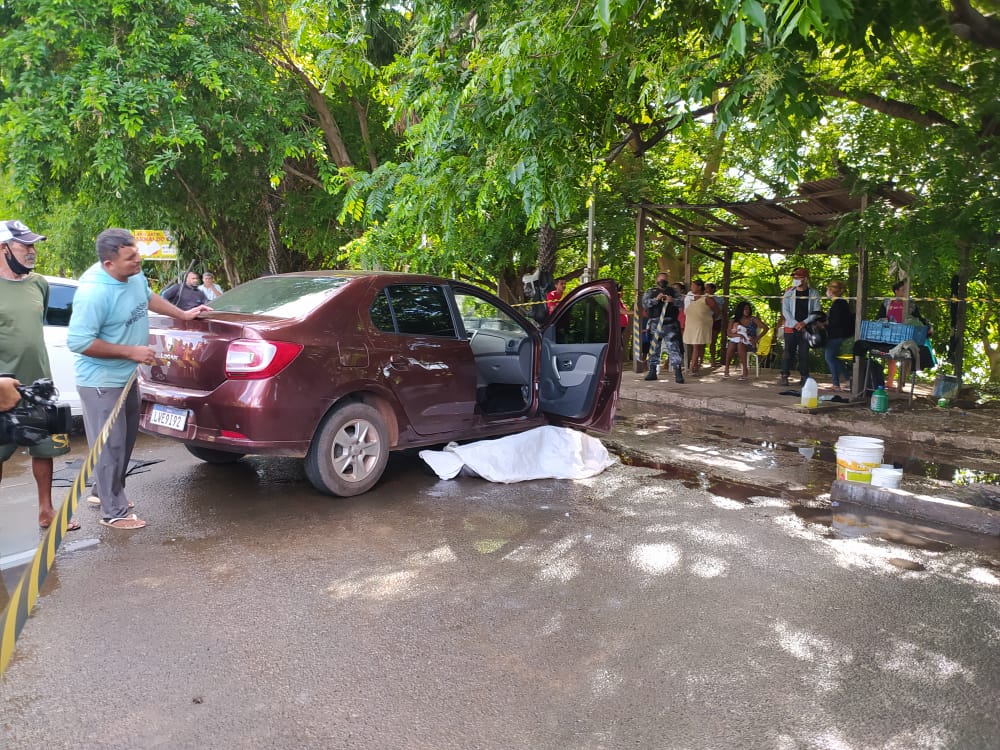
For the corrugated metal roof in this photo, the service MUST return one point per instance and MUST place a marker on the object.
(793, 223)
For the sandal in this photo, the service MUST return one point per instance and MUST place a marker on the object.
(95, 500)
(129, 522)
(71, 526)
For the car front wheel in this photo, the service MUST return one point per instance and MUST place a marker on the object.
(213, 456)
(349, 451)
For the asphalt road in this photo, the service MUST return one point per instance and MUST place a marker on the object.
(626, 611)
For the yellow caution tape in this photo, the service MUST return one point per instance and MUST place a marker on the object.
(26, 593)
(781, 296)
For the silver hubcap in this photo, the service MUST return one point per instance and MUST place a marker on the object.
(356, 449)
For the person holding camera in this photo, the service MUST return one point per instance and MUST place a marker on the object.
(9, 395)
(24, 298)
(109, 329)
(663, 326)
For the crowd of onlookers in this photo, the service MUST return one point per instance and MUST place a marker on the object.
(688, 325)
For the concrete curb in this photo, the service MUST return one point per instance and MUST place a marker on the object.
(938, 509)
(835, 419)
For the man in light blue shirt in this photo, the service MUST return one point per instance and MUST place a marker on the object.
(109, 330)
(208, 287)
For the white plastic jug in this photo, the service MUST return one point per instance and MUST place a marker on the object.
(810, 394)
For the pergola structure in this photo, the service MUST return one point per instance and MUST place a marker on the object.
(799, 223)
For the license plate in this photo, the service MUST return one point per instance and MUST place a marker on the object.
(167, 416)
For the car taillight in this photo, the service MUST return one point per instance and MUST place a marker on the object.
(253, 359)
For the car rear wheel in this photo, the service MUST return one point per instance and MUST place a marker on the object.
(213, 456)
(349, 451)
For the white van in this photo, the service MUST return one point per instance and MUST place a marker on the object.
(61, 292)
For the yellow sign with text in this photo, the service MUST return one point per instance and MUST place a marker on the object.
(155, 244)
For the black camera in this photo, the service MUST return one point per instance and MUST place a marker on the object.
(36, 417)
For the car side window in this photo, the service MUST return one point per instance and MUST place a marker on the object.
(60, 304)
(381, 315)
(585, 322)
(419, 309)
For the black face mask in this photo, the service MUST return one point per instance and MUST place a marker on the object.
(15, 264)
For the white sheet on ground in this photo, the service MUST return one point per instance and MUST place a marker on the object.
(542, 453)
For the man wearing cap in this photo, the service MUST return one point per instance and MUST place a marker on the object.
(109, 329)
(24, 297)
(208, 287)
(799, 308)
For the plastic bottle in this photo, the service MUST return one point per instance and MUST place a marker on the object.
(880, 400)
(810, 394)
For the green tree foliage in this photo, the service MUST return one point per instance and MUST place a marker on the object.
(516, 104)
(266, 134)
(228, 124)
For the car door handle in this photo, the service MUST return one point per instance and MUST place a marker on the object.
(564, 364)
(398, 363)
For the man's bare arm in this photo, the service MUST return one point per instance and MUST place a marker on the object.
(160, 306)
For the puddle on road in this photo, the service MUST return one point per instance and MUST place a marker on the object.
(844, 520)
(944, 467)
(848, 521)
(700, 480)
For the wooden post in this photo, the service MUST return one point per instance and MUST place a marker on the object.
(727, 300)
(640, 263)
(687, 283)
(958, 357)
(857, 381)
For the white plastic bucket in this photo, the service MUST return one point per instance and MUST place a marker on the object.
(857, 456)
(883, 477)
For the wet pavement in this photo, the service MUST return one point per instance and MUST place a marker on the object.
(713, 601)
(742, 458)
(963, 428)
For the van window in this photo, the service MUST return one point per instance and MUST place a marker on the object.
(60, 304)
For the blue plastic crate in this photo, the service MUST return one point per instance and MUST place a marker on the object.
(886, 332)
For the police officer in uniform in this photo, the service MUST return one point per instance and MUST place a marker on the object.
(664, 327)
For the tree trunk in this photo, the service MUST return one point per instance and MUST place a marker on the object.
(548, 243)
(274, 248)
(509, 286)
(366, 138)
(232, 272)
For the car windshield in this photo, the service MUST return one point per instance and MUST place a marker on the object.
(279, 296)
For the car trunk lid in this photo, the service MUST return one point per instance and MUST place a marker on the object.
(192, 354)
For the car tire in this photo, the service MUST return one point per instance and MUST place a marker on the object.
(213, 456)
(349, 451)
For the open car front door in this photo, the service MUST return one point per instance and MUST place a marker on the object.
(581, 360)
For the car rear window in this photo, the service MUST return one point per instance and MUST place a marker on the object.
(279, 296)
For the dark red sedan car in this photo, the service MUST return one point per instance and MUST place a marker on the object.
(342, 367)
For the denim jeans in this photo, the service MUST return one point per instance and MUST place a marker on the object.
(837, 368)
(796, 347)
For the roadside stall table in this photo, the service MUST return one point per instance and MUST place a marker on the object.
(879, 342)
